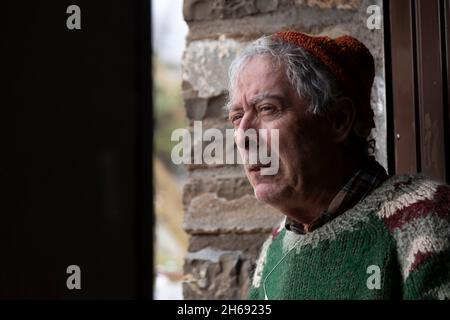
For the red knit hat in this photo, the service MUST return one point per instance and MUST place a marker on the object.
(350, 62)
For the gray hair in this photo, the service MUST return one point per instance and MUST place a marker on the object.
(308, 77)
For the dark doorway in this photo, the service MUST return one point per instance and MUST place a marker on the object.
(75, 173)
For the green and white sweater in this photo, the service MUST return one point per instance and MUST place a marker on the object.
(393, 244)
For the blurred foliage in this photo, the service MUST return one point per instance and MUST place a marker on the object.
(168, 108)
(172, 245)
(169, 115)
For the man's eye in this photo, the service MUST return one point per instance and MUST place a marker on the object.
(266, 108)
(235, 118)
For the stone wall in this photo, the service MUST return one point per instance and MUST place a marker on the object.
(226, 224)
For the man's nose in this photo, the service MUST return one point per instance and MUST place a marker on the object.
(247, 133)
(247, 122)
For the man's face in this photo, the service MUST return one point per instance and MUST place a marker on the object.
(264, 99)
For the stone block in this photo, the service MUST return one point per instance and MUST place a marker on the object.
(210, 214)
(204, 151)
(212, 274)
(216, 274)
(228, 188)
(200, 10)
(331, 4)
(205, 65)
(309, 19)
(204, 108)
(249, 243)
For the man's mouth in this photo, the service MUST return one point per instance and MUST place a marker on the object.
(257, 167)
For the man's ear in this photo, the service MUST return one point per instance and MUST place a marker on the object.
(341, 117)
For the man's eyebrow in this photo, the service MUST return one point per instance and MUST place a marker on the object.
(231, 107)
(254, 100)
(265, 95)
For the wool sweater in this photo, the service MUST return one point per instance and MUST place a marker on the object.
(393, 244)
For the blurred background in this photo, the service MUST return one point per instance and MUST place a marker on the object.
(169, 32)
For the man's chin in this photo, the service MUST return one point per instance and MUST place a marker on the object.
(266, 192)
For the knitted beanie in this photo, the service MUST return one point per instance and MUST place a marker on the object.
(352, 65)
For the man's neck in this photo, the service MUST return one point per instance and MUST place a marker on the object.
(314, 204)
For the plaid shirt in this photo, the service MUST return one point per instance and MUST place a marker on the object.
(368, 178)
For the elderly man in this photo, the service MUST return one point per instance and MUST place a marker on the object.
(350, 232)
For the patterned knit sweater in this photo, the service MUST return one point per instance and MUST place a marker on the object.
(393, 244)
